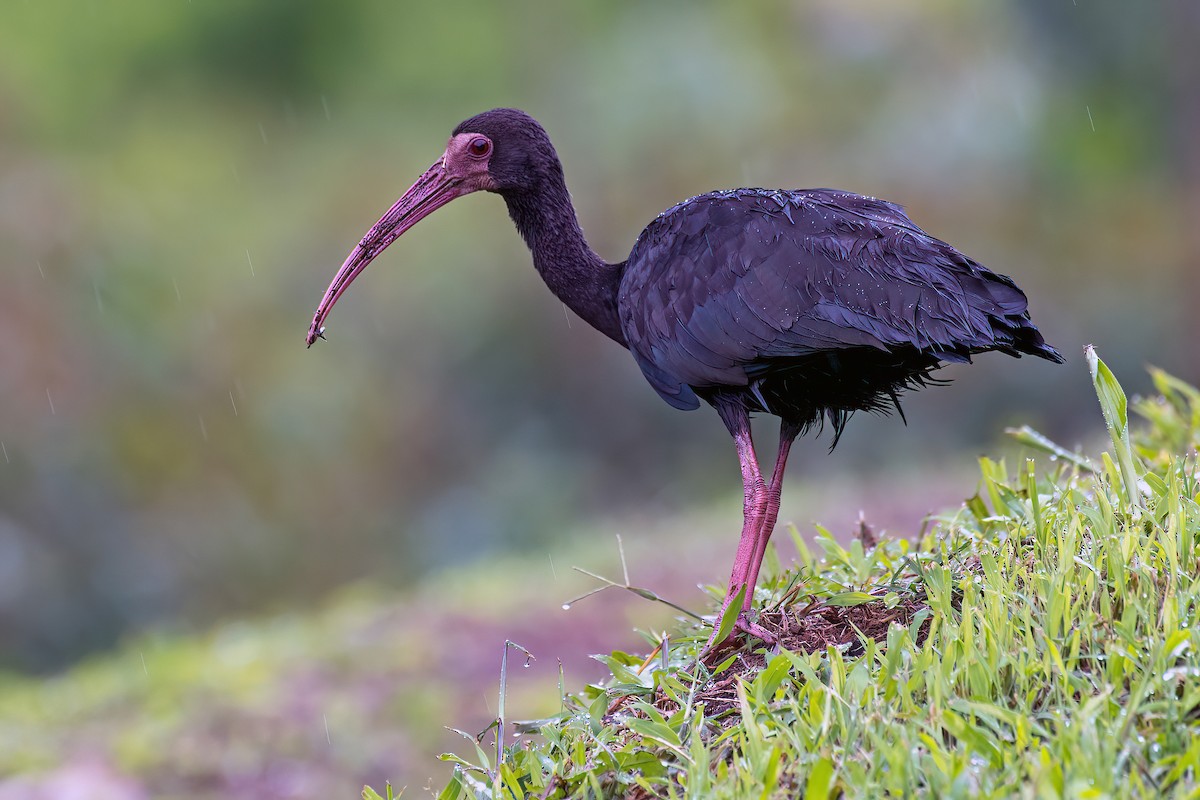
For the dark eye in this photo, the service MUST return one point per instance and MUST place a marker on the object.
(479, 147)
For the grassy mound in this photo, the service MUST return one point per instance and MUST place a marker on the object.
(1042, 641)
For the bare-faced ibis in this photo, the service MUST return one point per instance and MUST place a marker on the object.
(806, 304)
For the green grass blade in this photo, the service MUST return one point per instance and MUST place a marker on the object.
(729, 619)
(1116, 418)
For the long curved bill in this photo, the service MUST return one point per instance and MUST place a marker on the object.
(431, 191)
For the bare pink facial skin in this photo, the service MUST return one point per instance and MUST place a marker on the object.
(462, 169)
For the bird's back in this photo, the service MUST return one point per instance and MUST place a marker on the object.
(807, 303)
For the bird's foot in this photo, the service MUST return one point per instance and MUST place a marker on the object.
(747, 626)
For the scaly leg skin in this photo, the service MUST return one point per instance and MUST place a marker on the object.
(787, 435)
(754, 509)
(760, 510)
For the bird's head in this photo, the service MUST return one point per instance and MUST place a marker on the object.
(504, 151)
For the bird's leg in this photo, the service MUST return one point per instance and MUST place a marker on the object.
(760, 510)
(754, 511)
(754, 508)
(788, 432)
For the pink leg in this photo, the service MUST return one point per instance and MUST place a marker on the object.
(787, 434)
(754, 509)
(760, 510)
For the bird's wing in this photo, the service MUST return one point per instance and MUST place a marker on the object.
(726, 282)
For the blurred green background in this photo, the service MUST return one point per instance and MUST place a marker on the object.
(179, 181)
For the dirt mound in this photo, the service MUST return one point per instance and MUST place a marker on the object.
(806, 630)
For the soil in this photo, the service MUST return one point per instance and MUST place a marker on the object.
(809, 629)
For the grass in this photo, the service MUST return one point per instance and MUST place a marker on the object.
(303, 703)
(1041, 641)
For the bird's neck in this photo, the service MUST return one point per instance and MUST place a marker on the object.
(586, 283)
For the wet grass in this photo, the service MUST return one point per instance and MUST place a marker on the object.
(1040, 641)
